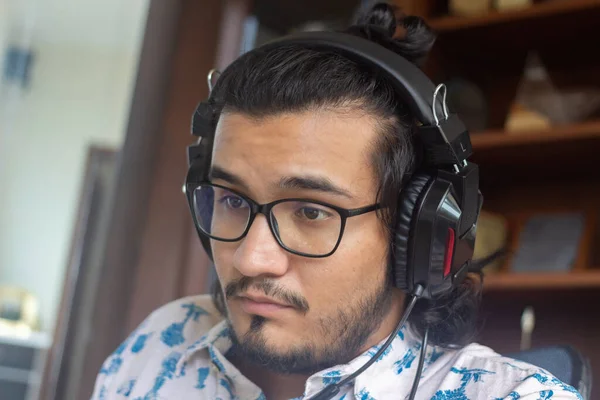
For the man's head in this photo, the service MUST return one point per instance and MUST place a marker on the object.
(303, 124)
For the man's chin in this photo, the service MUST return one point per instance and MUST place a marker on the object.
(279, 348)
(276, 355)
(257, 330)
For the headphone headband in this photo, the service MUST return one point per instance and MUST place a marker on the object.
(446, 141)
(407, 78)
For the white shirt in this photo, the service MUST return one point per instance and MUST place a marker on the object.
(179, 351)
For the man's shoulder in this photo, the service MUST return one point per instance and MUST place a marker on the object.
(506, 377)
(173, 326)
(165, 335)
(199, 309)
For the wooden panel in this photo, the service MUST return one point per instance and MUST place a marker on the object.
(521, 35)
(544, 161)
(559, 134)
(543, 281)
(231, 33)
(195, 274)
(544, 196)
(164, 246)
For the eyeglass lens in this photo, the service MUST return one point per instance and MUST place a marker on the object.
(301, 226)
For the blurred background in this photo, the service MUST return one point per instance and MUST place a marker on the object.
(95, 104)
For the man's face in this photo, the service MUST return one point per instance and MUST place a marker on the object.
(328, 306)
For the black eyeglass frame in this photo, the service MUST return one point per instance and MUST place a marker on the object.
(265, 209)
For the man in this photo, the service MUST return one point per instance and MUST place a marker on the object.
(310, 153)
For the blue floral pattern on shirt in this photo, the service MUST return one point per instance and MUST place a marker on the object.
(468, 376)
(179, 353)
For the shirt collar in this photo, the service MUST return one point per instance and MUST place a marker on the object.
(217, 341)
(397, 357)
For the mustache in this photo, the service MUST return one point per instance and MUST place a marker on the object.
(269, 288)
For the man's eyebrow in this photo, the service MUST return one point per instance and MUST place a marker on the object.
(320, 184)
(217, 172)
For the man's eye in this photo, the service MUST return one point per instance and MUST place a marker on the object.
(312, 213)
(233, 202)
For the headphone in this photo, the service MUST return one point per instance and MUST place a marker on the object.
(437, 212)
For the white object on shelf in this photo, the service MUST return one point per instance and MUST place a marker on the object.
(527, 326)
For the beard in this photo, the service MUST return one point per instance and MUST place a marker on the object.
(338, 337)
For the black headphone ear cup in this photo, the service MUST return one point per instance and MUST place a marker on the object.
(410, 196)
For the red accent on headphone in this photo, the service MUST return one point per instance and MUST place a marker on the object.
(449, 251)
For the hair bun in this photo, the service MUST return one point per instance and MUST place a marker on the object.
(381, 15)
(379, 23)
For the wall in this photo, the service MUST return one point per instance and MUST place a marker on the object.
(79, 94)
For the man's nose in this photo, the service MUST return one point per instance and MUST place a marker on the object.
(259, 253)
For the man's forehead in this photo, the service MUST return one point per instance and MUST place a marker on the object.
(324, 130)
(334, 146)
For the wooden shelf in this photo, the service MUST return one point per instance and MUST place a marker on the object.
(545, 9)
(521, 174)
(568, 133)
(523, 281)
(563, 152)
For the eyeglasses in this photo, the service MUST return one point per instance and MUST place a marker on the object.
(304, 227)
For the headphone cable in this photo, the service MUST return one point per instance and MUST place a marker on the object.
(413, 391)
(332, 390)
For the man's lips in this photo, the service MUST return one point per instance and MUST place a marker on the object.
(258, 298)
(262, 305)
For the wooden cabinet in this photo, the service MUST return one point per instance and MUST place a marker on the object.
(544, 170)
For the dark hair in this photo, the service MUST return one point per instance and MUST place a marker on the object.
(292, 78)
